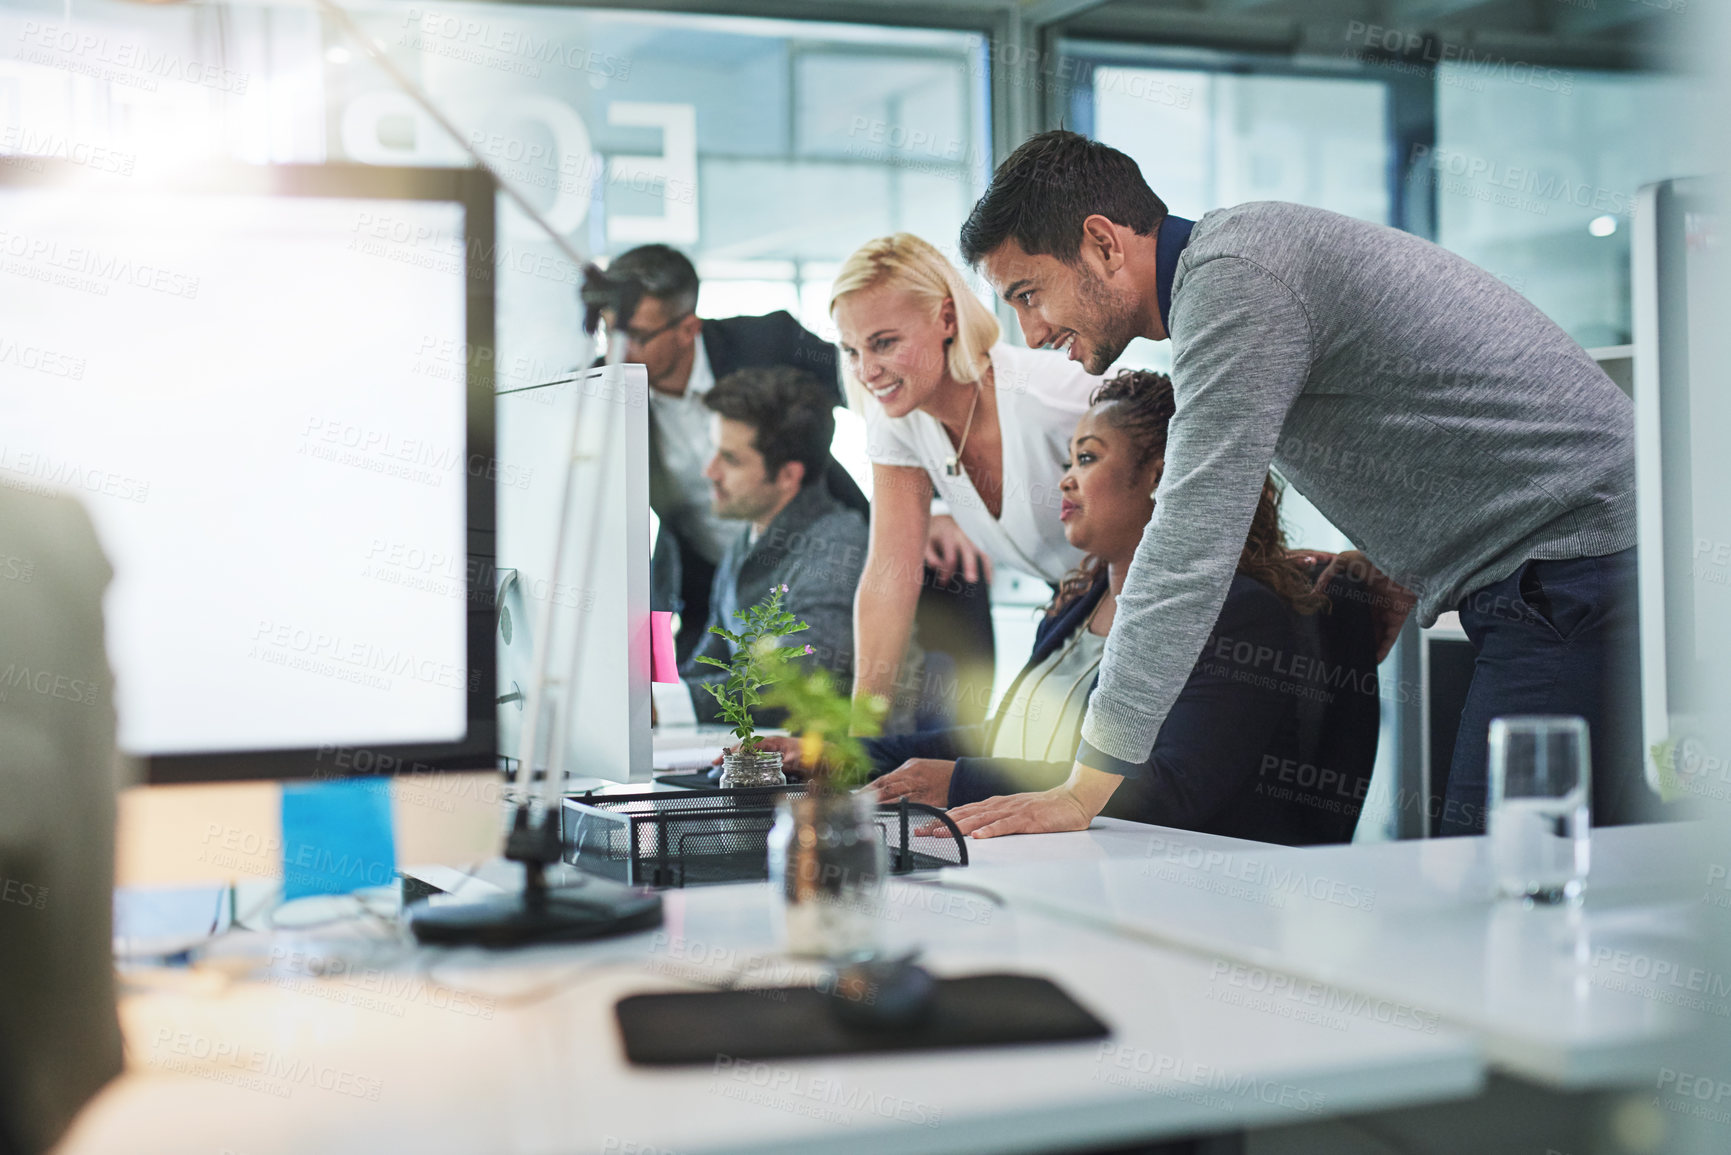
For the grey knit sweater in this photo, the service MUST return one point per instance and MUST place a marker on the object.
(1443, 423)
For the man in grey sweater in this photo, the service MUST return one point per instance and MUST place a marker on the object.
(1457, 436)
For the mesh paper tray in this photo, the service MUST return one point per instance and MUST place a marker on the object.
(668, 838)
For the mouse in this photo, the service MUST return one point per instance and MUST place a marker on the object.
(883, 994)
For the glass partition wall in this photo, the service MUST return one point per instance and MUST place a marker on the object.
(1536, 182)
(767, 150)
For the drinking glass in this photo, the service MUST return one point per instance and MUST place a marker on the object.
(1539, 817)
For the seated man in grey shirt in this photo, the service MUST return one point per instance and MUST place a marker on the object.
(772, 429)
(1454, 433)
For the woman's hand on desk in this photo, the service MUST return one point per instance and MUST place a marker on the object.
(924, 780)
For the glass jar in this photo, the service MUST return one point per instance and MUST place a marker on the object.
(827, 863)
(740, 771)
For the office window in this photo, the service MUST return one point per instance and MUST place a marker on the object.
(766, 150)
(1205, 139)
(1209, 139)
(1535, 180)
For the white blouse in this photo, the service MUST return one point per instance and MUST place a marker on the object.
(1040, 394)
(1041, 723)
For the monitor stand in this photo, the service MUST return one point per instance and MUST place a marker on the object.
(580, 906)
(590, 908)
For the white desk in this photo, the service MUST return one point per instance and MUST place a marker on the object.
(1562, 997)
(1106, 838)
(378, 1064)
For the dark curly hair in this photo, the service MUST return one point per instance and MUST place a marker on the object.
(1145, 408)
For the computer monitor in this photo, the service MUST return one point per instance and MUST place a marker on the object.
(1685, 521)
(270, 387)
(600, 598)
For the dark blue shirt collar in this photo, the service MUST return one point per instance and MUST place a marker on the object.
(1174, 235)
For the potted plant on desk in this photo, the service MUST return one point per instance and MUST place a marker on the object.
(758, 660)
(826, 858)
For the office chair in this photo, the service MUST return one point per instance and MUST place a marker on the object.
(1340, 735)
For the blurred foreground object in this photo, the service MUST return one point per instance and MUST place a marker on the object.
(59, 1034)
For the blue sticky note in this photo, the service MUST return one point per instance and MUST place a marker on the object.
(336, 837)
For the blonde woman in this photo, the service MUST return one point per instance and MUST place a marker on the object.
(953, 410)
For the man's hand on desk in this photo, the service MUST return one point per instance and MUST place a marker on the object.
(1071, 806)
(947, 547)
(1390, 604)
(924, 780)
(1044, 812)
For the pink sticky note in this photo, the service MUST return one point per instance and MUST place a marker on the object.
(662, 667)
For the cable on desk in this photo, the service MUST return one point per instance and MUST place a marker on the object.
(965, 887)
(430, 958)
(425, 966)
(363, 910)
(262, 919)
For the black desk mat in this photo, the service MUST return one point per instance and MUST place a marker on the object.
(695, 1027)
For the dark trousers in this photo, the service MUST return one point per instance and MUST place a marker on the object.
(1555, 637)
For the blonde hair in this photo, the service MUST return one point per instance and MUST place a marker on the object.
(911, 265)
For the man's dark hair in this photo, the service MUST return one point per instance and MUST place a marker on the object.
(1040, 196)
(793, 416)
(664, 272)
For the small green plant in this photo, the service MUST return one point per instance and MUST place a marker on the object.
(829, 725)
(758, 660)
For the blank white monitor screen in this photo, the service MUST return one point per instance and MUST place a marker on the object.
(260, 401)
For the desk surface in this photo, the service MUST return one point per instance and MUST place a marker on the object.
(1572, 997)
(520, 1054)
(1246, 985)
(1105, 838)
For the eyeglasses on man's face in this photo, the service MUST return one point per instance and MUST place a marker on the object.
(641, 336)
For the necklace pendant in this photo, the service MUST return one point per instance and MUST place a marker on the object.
(953, 467)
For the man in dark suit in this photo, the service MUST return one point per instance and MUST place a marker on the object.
(685, 356)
